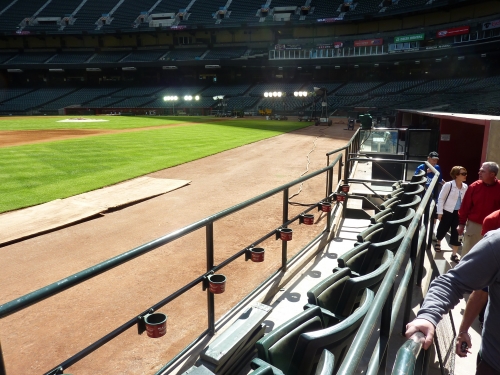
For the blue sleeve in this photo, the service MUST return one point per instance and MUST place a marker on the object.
(438, 168)
(421, 167)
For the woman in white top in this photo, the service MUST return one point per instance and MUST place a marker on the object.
(449, 202)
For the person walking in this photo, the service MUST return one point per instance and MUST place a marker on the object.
(481, 198)
(478, 269)
(449, 202)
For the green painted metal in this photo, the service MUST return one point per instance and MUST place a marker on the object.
(407, 355)
(358, 347)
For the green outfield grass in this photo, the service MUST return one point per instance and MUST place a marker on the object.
(38, 173)
(114, 122)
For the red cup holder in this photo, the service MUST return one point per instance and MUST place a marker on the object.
(286, 234)
(156, 325)
(307, 219)
(326, 206)
(345, 188)
(257, 254)
(216, 284)
(341, 197)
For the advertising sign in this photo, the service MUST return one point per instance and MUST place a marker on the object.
(330, 19)
(491, 25)
(409, 38)
(287, 46)
(330, 45)
(368, 42)
(453, 31)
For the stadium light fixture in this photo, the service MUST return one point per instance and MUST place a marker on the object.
(274, 94)
(197, 97)
(219, 97)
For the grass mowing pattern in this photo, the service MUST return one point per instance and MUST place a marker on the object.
(114, 122)
(34, 174)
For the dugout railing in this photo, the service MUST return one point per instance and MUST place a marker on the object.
(381, 315)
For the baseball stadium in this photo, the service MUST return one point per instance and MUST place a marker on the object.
(192, 187)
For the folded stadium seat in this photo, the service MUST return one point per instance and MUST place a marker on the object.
(295, 346)
(325, 366)
(390, 203)
(400, 208)
(412, 186)
(397, 192)
(407, 197)
(340, 293)
(421, 173)
(366, 257)
(382, 216)
(390, 227)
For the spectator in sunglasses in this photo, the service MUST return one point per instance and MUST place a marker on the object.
(449, 202)
(480, 200)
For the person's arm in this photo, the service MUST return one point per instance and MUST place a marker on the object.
(441, 199)
(478, 269)
(465, 207)
(477, 300)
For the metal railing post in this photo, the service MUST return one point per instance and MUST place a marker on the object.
(339, 171)
(2, 363)
(284, 255)
(210, 265)
(411, 283)
(385, 330)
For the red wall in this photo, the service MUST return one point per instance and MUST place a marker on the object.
(464, 148)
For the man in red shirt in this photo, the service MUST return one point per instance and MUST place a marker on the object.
(491, 222)
(481, 199)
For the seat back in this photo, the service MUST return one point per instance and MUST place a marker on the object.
(390, 202)
(400, 209)
(421, 173)
(354, 287)
(278, 346)
(261, 367)
(412, 186)
(336, 339)
(327, 292)
(326, 363)
(353, 258)
(371, 233)
(382, 216)
(408, 197)
(396, 193)
(391, 227)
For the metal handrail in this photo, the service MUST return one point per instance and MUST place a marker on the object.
(383, 301)
(50, 290)
(406, 358)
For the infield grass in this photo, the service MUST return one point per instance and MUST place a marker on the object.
(38, 173)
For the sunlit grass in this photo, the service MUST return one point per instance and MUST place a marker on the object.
(38, 173)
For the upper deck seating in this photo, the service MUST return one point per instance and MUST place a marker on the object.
(14, 12)
(79, 97)
(439, 85)
(260, 88)
(226, 90)
(33, 99)
(185, 54)
(393, 87)
(108, 57)
(88, 15)
(71, 57)
(31, 58)
(145, 55)
(225, 53)
(356, 88)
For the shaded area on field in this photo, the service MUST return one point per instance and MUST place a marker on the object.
(61, 212)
